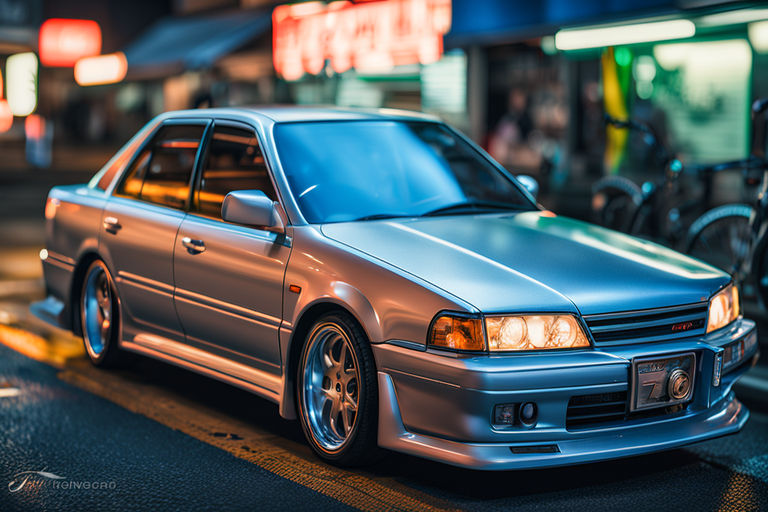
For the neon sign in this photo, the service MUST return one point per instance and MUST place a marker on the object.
(369, 37)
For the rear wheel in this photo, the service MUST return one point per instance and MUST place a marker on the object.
(100, 316)
(721, 237)
(337, 392)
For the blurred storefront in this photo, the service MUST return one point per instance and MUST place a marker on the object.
(538, 107)
(492, 68)
(370, 54)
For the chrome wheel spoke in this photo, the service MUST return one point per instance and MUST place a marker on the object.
(347, 418)
(328, 358)
(333, 417)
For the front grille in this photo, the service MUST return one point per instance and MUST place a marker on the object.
(587, 410)
(648, 325)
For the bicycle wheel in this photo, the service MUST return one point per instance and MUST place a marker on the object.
(614, 201)
(721, 236)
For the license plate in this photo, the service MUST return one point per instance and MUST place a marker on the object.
(662, 381)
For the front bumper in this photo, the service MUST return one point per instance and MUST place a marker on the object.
(440, 406)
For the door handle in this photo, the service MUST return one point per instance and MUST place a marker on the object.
(193, 246)
(112, 225)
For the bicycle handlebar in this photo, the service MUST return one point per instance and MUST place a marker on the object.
(751, 163)
(662, 152)
(628, 124)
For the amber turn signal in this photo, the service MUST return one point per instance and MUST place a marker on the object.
(458, 333)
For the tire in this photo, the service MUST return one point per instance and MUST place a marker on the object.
(100, 317)
(756, 284)
(614, 202)
(337, 392)
(721, 236)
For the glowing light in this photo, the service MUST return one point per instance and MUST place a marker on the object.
(732, 17)
(370, 37)
(6, 116)
(63, 42)
(21, 83)
(598, 37)
(34, 127)
(758, 36)
(103, 69)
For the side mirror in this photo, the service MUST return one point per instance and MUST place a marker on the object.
(252, 208)
(529, 183)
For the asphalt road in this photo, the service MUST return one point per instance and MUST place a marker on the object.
(153, 436)
(113, 459)
(163, 437)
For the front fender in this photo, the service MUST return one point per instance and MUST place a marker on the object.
(387, 303)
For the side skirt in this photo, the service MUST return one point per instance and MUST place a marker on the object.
(256, 381)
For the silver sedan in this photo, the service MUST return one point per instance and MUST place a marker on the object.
(387, 283)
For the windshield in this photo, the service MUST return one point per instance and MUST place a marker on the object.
(351, 170)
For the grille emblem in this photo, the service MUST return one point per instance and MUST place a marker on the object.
(682, 326)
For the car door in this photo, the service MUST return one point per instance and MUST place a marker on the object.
(139, 227)
(229, 277)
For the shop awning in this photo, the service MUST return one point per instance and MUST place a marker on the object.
(174, 45)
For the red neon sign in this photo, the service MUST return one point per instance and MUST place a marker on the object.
(369, 37)
(63, 42)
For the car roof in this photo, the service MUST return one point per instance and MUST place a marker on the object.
(293, 113)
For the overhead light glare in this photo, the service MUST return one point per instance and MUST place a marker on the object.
(598, 37)
(103, 69)
(758, 36)
(732, 17)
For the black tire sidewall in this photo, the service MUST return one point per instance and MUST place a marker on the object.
(366, 423)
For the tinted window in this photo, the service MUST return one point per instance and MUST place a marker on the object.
(134, 177)
(162, 172)
(347, 170)
(234, 162)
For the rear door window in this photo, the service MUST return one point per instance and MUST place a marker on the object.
(162, 171)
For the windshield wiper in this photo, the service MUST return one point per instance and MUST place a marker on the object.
(377, 216)
(471, 207)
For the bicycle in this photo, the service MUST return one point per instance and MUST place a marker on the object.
(653, 210)
(734, 237)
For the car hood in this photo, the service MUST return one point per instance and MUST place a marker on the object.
(534, 262)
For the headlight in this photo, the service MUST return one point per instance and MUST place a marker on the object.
(539, 332)
(723, 308)
(507, 333)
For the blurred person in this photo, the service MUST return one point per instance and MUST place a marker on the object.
(510, 141)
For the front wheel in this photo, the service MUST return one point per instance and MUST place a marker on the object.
(721, 237)
(100, 316)
(337, 392)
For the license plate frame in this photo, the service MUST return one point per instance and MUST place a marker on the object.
(650, 380)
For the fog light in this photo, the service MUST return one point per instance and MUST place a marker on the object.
(528, 413)
(717, 370)
(504, 414)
